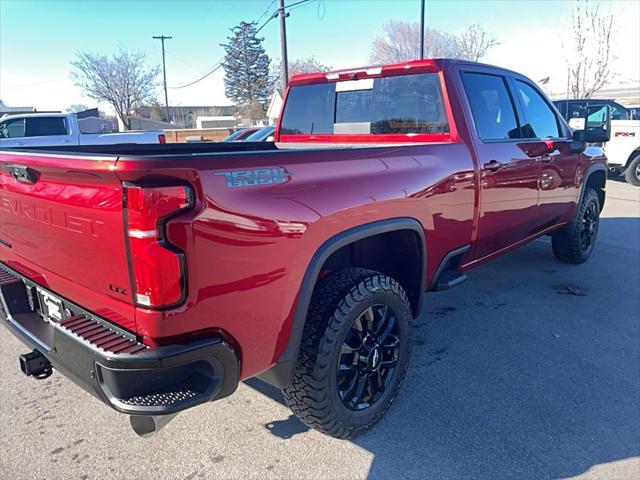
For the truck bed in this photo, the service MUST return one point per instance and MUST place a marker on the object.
(131, 149)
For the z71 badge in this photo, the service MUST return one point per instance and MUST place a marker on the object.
(251, 178)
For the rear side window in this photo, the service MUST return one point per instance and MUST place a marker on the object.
(388, 105)
(12, 128)
(491, 106)
(46, 126)
(542, 122)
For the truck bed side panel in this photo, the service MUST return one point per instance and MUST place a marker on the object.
(261, 216)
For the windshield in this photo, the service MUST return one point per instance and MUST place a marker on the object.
(260, 135)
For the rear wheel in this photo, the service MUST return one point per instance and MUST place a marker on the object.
(632, 172)
(575, 242)
(354, 353)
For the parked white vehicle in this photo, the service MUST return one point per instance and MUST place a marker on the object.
(623, 149)
(60, 129)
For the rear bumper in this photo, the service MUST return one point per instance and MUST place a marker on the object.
(111, 364)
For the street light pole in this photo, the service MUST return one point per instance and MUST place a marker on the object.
(283, 44)
(421, 29)
(162, 38)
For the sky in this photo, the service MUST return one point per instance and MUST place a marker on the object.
(39, 38)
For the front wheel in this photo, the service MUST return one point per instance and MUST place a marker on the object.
(575, 242)
(354, 353)
(632, 172)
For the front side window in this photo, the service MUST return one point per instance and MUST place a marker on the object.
(491, 106)
(542, 122)
(12, 128)
(45, 126)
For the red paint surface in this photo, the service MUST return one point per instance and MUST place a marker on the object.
(247, 249)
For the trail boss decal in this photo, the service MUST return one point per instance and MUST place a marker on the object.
(251, 178)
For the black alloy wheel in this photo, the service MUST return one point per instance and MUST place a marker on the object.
(368, 357)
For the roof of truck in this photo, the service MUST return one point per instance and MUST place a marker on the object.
(415, 66)
(40, 114)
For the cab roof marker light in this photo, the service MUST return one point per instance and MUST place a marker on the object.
(332, 76)
(374, 71)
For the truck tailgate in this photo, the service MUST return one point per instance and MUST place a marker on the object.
(61, 220)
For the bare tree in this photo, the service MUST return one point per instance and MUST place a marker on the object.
(123, 80)
(400, 41)
(296, 67)
(591, 60)
(474, 43)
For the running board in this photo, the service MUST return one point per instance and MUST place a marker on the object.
(448, 274)
(448, 279)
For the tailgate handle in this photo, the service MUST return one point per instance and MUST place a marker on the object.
(23, 173)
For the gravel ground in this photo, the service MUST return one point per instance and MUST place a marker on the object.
(513, 376)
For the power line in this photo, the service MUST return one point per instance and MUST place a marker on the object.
(220, 63)
(210, 72)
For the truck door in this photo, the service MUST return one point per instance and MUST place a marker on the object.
(508, 173)
(50, 131)
(558, 183)
(12, 133)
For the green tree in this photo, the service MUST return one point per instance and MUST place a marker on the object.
(246, 71)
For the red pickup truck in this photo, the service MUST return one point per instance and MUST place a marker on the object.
(157, 277)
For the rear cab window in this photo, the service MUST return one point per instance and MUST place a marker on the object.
(410, 106)
(45, 126)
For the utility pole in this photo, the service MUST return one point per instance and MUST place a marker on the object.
(162, 38)
(421, 29)
(283, 44)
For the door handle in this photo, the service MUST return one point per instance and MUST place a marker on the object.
(492, 166)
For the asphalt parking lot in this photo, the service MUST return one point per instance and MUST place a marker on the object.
(531, 369)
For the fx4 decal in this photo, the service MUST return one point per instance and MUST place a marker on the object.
(251, 178)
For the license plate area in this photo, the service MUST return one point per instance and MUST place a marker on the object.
(51, 307)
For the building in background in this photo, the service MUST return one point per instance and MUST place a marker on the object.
(275, 106)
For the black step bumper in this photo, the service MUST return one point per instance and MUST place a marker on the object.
(111, 364)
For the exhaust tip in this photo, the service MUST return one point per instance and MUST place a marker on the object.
(148, 426)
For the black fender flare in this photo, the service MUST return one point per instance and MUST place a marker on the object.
(596, 167)
(281, 373)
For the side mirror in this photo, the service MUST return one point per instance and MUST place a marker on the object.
(596, 125)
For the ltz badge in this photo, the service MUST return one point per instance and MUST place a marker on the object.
(251, 178)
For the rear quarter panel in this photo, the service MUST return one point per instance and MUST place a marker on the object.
(248, 247)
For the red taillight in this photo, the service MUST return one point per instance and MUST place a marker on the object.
(162, 138)
(157, 268)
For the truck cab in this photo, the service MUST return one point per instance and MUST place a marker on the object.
(61, 130)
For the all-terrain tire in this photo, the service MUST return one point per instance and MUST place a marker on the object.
(632, 172)
(570, 244)
(339, 299)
